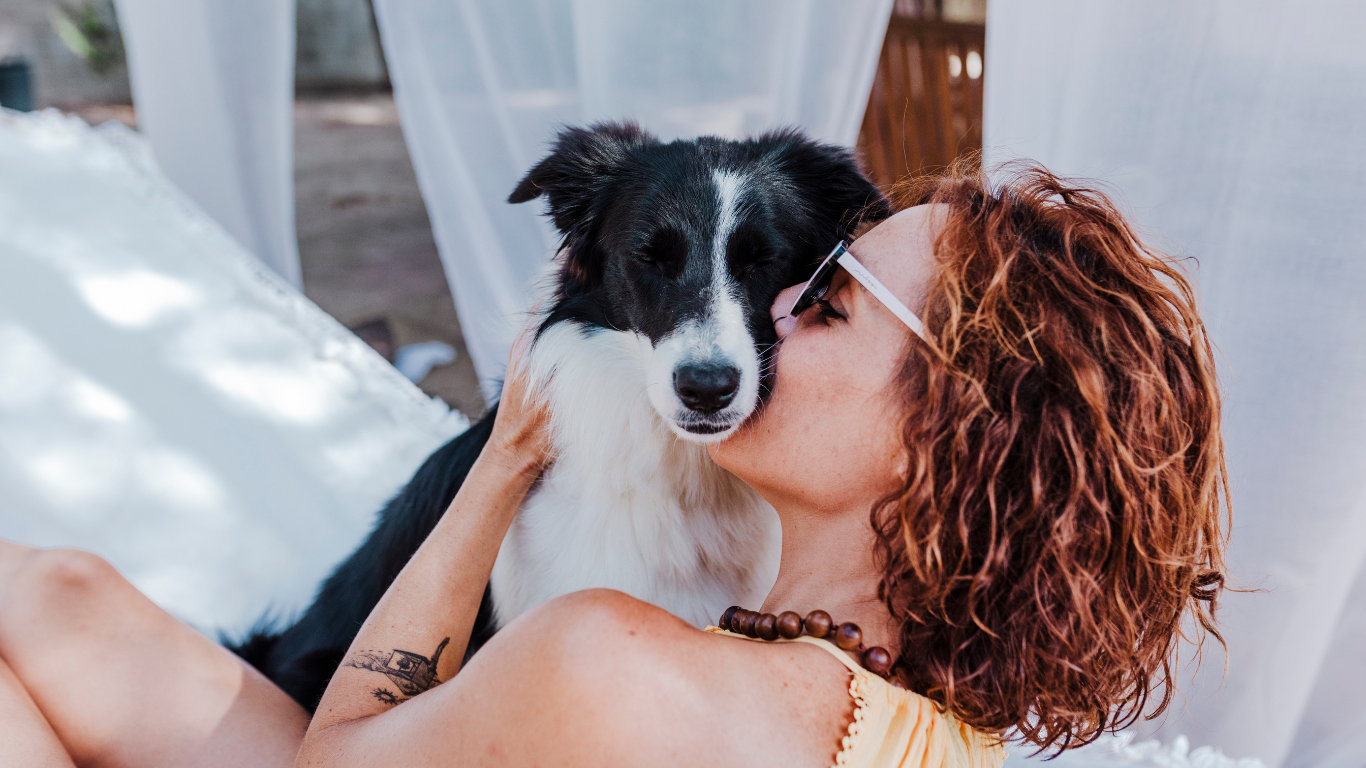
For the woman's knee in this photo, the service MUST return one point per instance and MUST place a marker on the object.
(58, 577)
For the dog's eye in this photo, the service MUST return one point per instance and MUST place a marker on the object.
(749, 251)
(752, 263)
(653, 256)
(661, 249)
(751, 267)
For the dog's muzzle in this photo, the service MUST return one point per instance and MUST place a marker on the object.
(706, 388)
(703, 380)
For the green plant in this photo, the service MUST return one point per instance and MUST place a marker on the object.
(84, 30)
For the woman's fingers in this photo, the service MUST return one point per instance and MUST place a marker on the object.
(521, 431)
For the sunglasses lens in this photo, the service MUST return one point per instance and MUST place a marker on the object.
(815, 287)
(809, 297)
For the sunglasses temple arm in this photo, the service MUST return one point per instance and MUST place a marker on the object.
(880, 292)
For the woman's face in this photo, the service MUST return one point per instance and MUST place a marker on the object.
(829, 436)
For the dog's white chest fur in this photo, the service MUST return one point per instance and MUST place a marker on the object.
(628, 505)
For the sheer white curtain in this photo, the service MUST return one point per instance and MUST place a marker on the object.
(482, 85)
(213, 83)
(1237, 133)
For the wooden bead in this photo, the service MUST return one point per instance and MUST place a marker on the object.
(789, 624)
(737, 622)
(848, 636)
(878, 661)
(727, 616)
(747, 623)
(766, 627)
(753, 624)
(818, 623)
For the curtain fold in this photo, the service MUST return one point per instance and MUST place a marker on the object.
(213, 83)
(1236, 134)
(482, 86)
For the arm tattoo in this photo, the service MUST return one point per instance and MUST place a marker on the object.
(412, 673)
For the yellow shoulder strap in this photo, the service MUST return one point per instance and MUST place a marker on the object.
(816, 641)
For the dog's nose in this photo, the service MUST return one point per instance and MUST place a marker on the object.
(704, 387)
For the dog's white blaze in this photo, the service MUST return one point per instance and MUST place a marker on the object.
(728, 188)
(627, 505)
(721, 336)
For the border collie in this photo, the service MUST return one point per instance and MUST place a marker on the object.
(653, 341)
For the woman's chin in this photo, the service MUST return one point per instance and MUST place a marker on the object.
(729, 453)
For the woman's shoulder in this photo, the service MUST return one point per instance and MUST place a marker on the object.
(603, 634)
(610, 634)
(597, 630)
(658, 690)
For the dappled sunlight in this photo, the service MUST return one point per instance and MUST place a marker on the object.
(93, 461)
(70, 476)
(98, 403)
(52, 417)
(167, 402)
(262, 364)
(136, 298)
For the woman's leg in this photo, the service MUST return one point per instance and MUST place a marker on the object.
(123, 683)
(27, 738)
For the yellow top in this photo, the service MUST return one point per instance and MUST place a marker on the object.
(895, 728)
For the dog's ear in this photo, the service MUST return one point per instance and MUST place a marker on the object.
(582, 162)
(839, 198)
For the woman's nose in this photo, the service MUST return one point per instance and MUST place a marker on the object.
(782, 323)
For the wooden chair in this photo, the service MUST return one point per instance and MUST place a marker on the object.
(925, 108)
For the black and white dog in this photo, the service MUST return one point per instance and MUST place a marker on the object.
(653, 342)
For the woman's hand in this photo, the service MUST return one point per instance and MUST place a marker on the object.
(521, 430)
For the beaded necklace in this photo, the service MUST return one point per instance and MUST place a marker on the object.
(790, 625)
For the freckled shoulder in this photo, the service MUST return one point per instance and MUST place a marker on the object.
(632, 679)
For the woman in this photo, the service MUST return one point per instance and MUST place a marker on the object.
(1018, 500)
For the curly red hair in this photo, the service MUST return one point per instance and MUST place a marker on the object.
(1061, 510)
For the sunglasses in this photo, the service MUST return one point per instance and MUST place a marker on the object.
(819, 283)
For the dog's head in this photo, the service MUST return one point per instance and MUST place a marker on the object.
(687, 244)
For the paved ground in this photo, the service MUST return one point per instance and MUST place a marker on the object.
(364, 238)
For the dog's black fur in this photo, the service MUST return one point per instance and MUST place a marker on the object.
(302, 658)
(608, 187)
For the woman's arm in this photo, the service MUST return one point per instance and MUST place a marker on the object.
(416, 636)
(593, 678)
